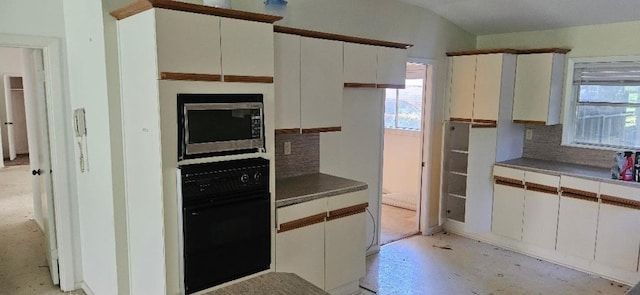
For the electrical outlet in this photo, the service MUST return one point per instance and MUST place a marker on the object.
(529, 134)
(287, 148)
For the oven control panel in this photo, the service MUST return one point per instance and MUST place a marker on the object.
(221, 179)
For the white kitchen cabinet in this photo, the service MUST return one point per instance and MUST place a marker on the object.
(479, 195)
(360, 63)
(463, 77)
(478, 85)
(247, 48)
(508, 202)
(538, 88)
(489, 73)
(345, 250)
(618, 235)
(392, 67)
(188, 42)
(541, 202)
(321, 83)
(577, 217)
(287, 81)
(300, 243)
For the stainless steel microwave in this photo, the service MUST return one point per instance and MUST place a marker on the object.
(220, 124)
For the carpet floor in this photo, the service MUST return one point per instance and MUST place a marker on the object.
(23, 266)
(451, 264)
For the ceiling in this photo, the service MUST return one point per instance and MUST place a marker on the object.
(481, 17)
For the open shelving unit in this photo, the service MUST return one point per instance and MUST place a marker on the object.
(457, 154)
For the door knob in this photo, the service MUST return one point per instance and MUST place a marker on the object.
(36, 172)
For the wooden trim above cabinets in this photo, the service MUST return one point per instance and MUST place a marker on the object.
(318, 130)
(336, 37)
(483, 51)
(509, 51)
(302, 222)
(288, 131)
(541, 188)
(544, 50)
(391, 86)
(360, 85)
(190, 77)
(248, 79)
(620, 202)
(348, 211)
(530, 122)
(463, 120)
(142, 5)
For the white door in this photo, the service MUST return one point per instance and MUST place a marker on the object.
(43, 172)
(9, 123)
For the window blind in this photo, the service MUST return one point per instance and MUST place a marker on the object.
(607, 73)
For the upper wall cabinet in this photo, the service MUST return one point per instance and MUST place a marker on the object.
(538, 89)
(360, 64)
(247, 48)
(287, 82)
(321, 83)
(478, 83)
(188, 42)
(392, 67)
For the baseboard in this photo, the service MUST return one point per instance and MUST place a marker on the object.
(433, 230)
(373, 250)
(86, 289)
(351, 288)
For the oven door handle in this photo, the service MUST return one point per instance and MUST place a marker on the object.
(265, 196)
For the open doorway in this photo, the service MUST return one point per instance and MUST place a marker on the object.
(403, 154)
(27, 227)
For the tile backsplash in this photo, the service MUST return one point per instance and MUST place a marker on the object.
(545, 145)
(304, 157)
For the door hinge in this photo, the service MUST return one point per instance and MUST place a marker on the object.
(423, 164)
(8, 123)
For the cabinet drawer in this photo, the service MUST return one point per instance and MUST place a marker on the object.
(347, 200)
(619, 191)
(579, 186)
(552, 181)
(302, 210)
(507, 172)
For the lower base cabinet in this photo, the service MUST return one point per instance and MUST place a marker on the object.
(301, 251)
(618, 238)
(344, 250)
(508, 206)
(577, 223)
(323, 241)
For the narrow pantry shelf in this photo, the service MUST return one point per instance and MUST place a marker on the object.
(460, 151)
(458, 173)
(457, 195)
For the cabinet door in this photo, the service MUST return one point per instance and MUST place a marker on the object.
(618, 239)
(392, 66)
(463, 77)
(533, 87)
(541, 202)
(301, 251)
(344, 250)
(187, 42)
(487, 87)
(287, 81)
(577, 222)
(360, 63)
(247, 48)
(508, 208)
(321, 83)
(482, 156)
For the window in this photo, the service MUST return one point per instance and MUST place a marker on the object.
(403, 107)
(606, 104)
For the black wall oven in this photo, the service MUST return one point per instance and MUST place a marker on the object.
(226, 217)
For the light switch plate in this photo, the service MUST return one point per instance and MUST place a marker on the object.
(529, 134)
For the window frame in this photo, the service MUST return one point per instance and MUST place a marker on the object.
(570, 102)
(397, 103)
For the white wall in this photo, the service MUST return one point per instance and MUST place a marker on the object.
(431, 35)
(88, 89)
(19, 122)
(43, 18)
(9, 64)
(401, 168)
